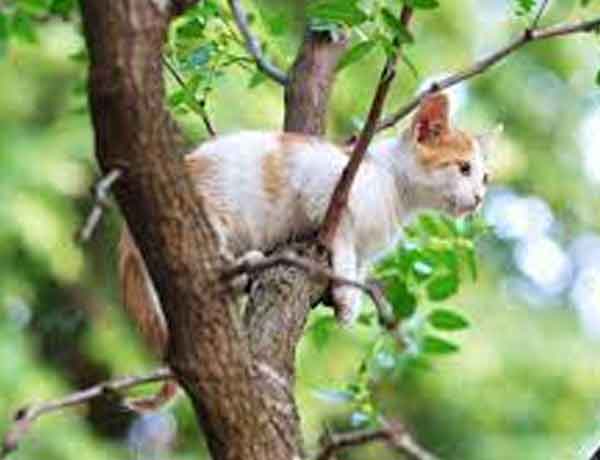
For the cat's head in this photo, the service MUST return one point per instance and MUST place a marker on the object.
(447, 166)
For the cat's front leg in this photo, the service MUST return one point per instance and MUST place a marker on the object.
(344, 260)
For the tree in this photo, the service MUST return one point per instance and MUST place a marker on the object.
(243, 394)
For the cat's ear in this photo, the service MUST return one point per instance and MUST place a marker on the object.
(431, 120)
(488, 140)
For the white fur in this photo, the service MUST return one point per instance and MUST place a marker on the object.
(391, 185)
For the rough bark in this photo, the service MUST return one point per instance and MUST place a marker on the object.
(239, 372)
(310, 81)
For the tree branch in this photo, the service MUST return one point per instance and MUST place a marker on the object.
(316, 271)
(342, 190)
(393, 433)
(528, 36)
(201, 109)
(539, 14)
(101, 190)
(253, 45)
(24, 417)
(310, 82)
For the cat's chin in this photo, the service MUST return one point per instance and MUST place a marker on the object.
(462, 211)
(465, 212)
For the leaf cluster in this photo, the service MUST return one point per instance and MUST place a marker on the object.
(376, 24)
(436, 256)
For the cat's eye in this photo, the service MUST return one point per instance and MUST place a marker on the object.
(486, 178)
(464, 168)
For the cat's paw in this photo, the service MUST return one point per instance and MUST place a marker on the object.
(240, 282)
(346, 304)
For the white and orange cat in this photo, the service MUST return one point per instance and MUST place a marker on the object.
(264, 188)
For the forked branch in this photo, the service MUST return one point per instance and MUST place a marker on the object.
(200, 108)
(253, 44)
(24, 417)
(316, 271)
(393, 433)
(528, 36)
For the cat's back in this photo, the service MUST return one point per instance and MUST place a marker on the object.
(265, 186)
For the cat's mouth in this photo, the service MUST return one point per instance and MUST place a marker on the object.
(465, 211)
(460, 211)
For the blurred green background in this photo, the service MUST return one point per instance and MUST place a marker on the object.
(526, 383)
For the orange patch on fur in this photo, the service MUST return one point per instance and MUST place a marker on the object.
(273, 166)
(451, 147)
(199, 166)
(291, 139)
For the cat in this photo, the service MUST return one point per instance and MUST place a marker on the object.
(261, 189)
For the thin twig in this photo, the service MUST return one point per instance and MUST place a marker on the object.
(199, 106)
(341, 193)
(253, 45)
(539, 14)
(391, 432)
(24, 417)
(314, 270)
(481, 66)
(101, 191)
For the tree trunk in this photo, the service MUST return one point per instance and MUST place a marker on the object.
(310, 82)
(239, 372)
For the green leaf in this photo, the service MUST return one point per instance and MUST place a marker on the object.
(3, 27)
(447, 258)
(366, 319)
(3, 35)
(355, 54)
(23, 28)
(200, 56)
(275, 22)
(403, 301)
(422, 269)
(585, 3)
(344, 12)
(423, 4)
(399, 31)
(431, 225)
(524, 7)
(470, 258)
(33, 6)
(412, 362)
(321, 330)
(438, 346)
(388, 267)
(62, 7)
(598, 78)
(447, 320)
(177, 98)
(192, 28)
(411, 66)
(257, 79)
(442, 287)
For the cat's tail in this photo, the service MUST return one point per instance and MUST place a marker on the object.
(143, 306)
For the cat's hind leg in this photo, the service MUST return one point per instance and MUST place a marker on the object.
(345, 265)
